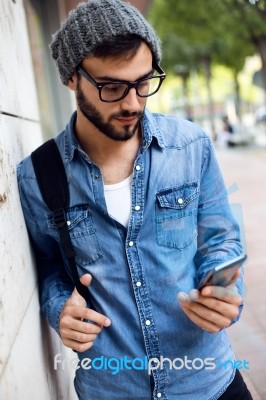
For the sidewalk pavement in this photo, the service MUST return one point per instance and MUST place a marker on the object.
(247, 168)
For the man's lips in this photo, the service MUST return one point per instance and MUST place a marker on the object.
(127, 120)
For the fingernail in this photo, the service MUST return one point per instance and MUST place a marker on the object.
(182, 296)
(193, 295)
(107, 322)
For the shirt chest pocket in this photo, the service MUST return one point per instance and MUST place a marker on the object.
(176, 215)
(82, 233)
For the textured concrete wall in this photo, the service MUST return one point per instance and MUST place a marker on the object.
(27, 344)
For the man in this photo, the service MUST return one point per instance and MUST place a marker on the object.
(148, 218)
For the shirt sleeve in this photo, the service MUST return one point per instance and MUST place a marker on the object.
(218, 231)
(55, 286)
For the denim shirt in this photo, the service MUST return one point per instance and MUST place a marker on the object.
(180, 227)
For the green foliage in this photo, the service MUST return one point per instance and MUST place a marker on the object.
(250, 14)
(219, 29)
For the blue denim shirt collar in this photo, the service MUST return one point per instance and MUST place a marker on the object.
(149, 128)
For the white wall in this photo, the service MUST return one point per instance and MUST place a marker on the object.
(27, 344)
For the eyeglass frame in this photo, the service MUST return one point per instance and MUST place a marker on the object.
(130, 85)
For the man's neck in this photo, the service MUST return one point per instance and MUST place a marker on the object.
(115, 158)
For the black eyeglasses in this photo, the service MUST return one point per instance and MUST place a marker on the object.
(111, 92)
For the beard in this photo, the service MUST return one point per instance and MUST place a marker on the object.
(96, 118)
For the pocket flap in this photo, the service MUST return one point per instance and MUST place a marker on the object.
(178, 197)
(74, 216)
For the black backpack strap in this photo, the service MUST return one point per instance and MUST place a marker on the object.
(51, 177)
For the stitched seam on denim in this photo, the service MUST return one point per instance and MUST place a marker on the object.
(216, 397)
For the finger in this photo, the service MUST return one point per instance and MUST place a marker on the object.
(80, 347)
(182, 296)
(194, 295)
(221, 307)
(98, 318)
(87, 313)
(68, 334)
(76, 298)
(228, 294)
(86, 279)
(69, 323)
(85, 327)
(208, 314)
(204, 324)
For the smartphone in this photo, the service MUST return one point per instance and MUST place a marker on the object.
(222, 274)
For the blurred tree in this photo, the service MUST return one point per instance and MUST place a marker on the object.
(188, 31)
(250, 23)
(180, 62)
(212, 32)
(233, 52)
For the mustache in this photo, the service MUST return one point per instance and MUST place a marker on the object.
(127, 114)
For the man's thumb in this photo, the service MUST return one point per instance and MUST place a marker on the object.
(76, 297)
(86, 279)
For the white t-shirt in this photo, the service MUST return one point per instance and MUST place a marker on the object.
(118, 200)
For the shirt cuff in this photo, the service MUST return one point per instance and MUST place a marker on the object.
(55, 308)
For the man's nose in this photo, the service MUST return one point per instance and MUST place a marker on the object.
(131, 101)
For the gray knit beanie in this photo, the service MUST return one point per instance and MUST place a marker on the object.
(93, 22)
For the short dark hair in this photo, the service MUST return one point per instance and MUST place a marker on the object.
(123, 47)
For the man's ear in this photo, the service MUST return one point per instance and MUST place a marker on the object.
(72, 83)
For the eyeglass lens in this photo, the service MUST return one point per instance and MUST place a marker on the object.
(144, 88)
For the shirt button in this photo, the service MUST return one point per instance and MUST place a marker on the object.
(138, 284)
(148, 322)
(180, 201)
(159, 395)
(68, 223)
(137, 208)
(137, 167)
(131, 243)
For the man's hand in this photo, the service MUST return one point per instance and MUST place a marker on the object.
(214, 307)
(74, 332)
